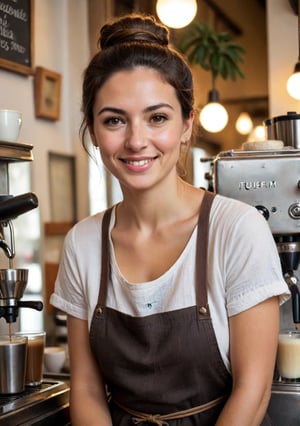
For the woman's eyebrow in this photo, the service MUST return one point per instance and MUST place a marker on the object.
(157, 106)
(111, 109)
(147, 109)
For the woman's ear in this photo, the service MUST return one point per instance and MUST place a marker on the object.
(188, 128)
(92, 135)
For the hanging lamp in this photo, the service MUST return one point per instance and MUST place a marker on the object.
(213, 117)
(176, 13)
(244, 123)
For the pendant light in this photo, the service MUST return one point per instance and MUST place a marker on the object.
(213, 117)
(244, 123)
(293, 83)
(257, 134)
(176, 13)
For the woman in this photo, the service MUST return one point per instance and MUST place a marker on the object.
(183, 330)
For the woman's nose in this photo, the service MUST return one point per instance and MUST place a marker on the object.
(135, 137)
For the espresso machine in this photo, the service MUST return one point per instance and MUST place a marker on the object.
(269, 179)
(47, 403)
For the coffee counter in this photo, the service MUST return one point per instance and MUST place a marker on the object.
(48, 404)
(44, 405)
(284, 407)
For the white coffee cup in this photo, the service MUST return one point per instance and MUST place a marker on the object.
(54, 358)
(10, 125)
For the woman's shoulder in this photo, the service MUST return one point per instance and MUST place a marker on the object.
(232, 209)
(234, 216)
(88, 223)
(88, 228)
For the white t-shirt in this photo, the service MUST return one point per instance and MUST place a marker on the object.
(243, 270)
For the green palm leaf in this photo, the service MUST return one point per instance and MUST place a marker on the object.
(214, 52)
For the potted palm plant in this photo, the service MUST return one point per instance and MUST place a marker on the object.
(213, 51)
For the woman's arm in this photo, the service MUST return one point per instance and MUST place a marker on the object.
(88, 403)
(253, 346)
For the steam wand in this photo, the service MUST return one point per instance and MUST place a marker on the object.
(9, 251)
(292, 281)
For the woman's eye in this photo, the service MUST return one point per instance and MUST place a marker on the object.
(158, 118)
(113, 121)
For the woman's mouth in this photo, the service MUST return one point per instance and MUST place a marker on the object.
(138, 164)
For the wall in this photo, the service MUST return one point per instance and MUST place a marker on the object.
(283, 50)
(61, 45)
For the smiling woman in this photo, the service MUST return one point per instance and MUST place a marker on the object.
(159, 288)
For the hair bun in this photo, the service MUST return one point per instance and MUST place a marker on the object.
(133, 28)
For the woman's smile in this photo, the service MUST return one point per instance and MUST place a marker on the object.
(138, 165)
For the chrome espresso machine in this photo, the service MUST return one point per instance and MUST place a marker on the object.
(47, 403)
(269, 179)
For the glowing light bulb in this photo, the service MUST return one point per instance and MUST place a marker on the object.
(293, 85)
(257, 134)
(213, 117)
(244, 124)
(176, 13)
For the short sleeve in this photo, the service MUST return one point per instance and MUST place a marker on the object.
(78, 279)
(249, 260)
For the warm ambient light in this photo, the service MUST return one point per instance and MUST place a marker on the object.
(293, 83)
(213, 117)
(257, 134)
(244, 124)
(176, 13)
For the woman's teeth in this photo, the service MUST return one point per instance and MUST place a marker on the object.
(138, 163)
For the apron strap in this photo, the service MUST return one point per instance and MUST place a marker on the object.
(201, 253)
(104, 259)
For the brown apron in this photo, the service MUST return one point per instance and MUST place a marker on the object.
(163, 363)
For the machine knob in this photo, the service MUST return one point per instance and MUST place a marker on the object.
(294, 211)
(264, 211)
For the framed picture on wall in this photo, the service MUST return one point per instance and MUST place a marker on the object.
(62, 188)
(47, 88)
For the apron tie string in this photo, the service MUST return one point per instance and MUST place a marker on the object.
(160, 419)
(155, 419)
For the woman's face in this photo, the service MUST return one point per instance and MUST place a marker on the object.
(138, 127)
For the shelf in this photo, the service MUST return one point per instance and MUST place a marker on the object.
(15, 151)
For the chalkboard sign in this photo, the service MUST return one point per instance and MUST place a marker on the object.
(16, 35)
